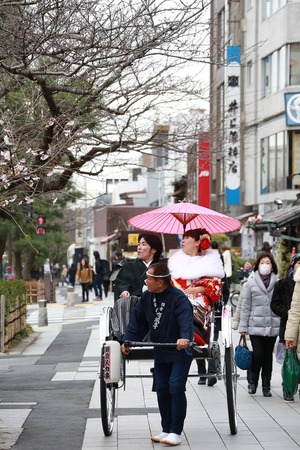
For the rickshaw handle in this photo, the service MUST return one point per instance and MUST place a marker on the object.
(130, 344)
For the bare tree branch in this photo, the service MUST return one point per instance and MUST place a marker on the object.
(79, 80)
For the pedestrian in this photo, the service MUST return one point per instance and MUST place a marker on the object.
(281, 303)
(98, 277)
(292, 331)
(247, 270)
(198, 270)
(72, 274)
(225, 289)
(117, 262)
(265, 248)
(118, 256)
(106, 272)
(84, 274)
(131, 278)
(64, 274)
(56, 273)
(9, 274)
(235, 322)
(258, 320)
(227, 263)
(166, 314)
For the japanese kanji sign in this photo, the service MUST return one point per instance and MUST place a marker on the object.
(232, 126)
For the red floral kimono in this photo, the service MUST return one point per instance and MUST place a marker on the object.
(201, 303)
(204, 270)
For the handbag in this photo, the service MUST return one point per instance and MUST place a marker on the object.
(242, 354)
(290, 371)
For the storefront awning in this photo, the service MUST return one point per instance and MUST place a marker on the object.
(109, 238)
(244, 216)
(277, 221)
(280, 217)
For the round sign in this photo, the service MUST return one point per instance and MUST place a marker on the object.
(293, 108)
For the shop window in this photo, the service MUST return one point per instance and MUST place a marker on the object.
(294, 75)
(270, 7)
(266, 66)
(264, 166)
(274, 163)
(295, 158)
(276, 72)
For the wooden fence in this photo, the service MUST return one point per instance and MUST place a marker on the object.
(39, 290)
(13, 311)
(12, 322)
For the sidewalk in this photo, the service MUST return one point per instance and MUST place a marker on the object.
(263, 423)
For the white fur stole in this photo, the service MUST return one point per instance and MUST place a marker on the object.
(189, 267)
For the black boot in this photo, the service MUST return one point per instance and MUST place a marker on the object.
(266, 386)
(253, 382)
(252, 388)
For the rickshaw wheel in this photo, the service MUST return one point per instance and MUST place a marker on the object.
(230, 379)
(107, 401)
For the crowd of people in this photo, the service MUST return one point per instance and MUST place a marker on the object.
(94, 276)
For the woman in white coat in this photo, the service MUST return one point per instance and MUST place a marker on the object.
(292, 331)
(258, 320)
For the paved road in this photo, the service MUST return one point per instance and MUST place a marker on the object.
(59, 313)
(49, 399)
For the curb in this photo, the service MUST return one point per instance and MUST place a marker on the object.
(23, 345)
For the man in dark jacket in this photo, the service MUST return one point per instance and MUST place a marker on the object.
(281, 303)
(98, 277)
(131, 278)
(166, 314)
(105, 275)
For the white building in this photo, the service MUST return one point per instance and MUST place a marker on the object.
(255, 112)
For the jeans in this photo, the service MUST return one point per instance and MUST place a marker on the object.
(170, 379)
(211, 369)
(262, 357)
(97, 285)
(85, 291)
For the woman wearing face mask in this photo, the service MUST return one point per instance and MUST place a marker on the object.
(259, 321)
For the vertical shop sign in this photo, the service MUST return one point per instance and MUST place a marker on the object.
(204, 171)
(232, 126)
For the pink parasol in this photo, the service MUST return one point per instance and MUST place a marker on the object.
(180, 217)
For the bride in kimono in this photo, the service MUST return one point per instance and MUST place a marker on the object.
(197, 269)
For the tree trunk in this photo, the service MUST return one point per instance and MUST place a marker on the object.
(28, 266)
(3, 239)
(18, 265)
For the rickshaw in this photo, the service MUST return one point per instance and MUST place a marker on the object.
(171, 219)
(112, 372)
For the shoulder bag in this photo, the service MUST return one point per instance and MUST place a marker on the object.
(242, 354)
